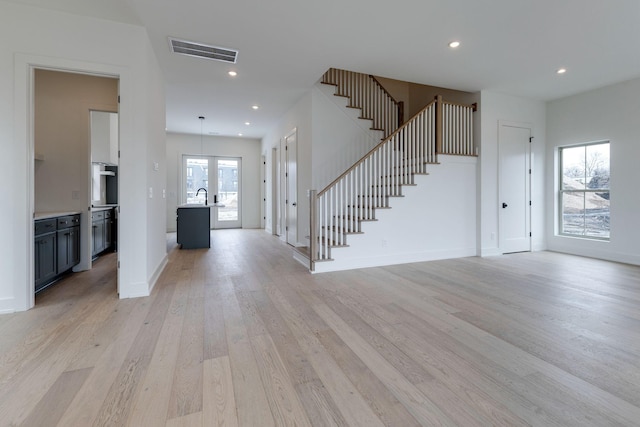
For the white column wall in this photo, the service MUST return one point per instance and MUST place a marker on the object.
(44, 38)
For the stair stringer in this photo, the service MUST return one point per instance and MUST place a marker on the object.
(435, 219)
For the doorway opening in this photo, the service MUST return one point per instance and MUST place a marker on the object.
(64, 103)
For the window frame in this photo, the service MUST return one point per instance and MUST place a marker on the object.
(562, 191)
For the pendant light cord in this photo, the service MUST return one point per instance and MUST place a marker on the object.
(201, 135)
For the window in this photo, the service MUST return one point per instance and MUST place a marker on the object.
(584, 190)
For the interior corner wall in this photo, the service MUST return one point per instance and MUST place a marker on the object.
(299, 118)
(611, 113)
(498, 107)
(34, 37)
(248, 149)
(156, 169)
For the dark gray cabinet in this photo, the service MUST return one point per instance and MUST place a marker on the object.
(108, 229)
(56, 248)
(97, 232)
(45, 260)
(194, 226)
(68, 242)
(102, 231)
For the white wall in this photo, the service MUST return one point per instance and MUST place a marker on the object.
(339, 137)
(494, 108)
(40, 38)
(434, 220)
(246, 148)
(610, 113)
(156, 168)
(298, 117)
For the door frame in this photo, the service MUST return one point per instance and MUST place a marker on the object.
(291, 189)
(24, 131)
(529, 158)
(215, 222)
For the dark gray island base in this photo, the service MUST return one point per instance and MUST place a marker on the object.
(194, 225)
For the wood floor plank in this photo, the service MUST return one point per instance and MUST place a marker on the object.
(424, 410)
(220, 403)
(186, 392)
(385, 405)
(250, 397)
(350, 402)
(85, 407)
(192, 420)
(283, 399)
(317, 402)
(242, 335)
(53, 404)
(156, 387)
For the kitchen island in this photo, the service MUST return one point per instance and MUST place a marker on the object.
(194, 225)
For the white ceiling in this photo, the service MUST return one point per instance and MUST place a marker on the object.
(508, 46)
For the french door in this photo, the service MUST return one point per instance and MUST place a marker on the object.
(221, 178)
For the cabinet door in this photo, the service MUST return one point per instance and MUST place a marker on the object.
(75, 246)
(68, 248)
(45, 259)
(64, 244)
(98, 236)
(108, 232)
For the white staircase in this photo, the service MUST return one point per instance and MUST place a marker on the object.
(364, 192)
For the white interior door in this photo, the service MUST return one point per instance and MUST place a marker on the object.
(291, 178)
(227, 191)
(515, 188)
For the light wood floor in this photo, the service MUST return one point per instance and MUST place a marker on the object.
(243, 335)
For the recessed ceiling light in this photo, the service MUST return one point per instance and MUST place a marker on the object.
(454, 44)
(255, 107)
(233, 73)
(247, 123)
(240, 134)
(561, 70)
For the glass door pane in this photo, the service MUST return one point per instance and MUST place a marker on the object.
(196, 177)
(228, 184)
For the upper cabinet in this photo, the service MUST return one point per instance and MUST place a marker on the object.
(104, 137)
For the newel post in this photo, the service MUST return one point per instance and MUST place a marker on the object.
(313, 238)
(439, 117)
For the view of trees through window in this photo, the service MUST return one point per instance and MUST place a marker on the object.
(584, 195)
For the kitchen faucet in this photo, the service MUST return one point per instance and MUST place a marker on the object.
(206, 202)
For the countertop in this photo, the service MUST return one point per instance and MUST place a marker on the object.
(49, 215)
(194, 205)
(102, 208)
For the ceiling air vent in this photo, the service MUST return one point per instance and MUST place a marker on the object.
(203, 51)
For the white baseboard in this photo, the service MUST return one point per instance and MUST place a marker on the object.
(158, 272)
(7, 305)
(392, 259)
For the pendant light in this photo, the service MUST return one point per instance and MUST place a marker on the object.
(201, 135)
